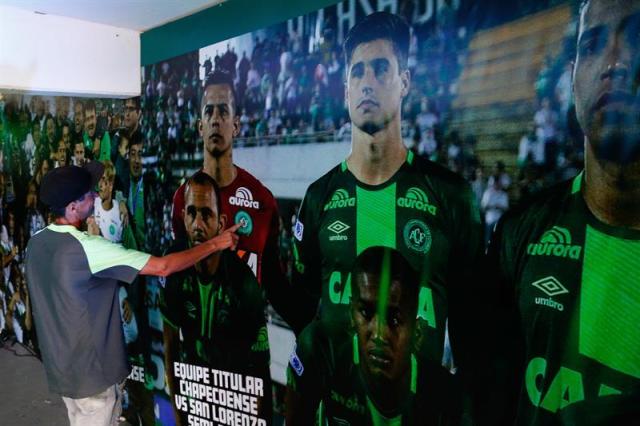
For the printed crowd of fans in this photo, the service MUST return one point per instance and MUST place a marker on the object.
(287, 95)
(38, 135)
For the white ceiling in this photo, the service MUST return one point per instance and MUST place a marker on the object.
(139, 15)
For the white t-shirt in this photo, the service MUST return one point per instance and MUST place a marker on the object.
(546, 119)
(530, 146)
(494, 202)
(108, 220)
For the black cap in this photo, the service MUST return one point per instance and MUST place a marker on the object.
(63, 185)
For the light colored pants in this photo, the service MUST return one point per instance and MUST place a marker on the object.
(102, 409)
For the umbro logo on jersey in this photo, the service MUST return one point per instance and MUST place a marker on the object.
(339, 200)
(415, 198)
(338, 228)
(555, 242)
(551, 287)
(244, 198)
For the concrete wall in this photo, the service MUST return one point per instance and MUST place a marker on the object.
(48, 54)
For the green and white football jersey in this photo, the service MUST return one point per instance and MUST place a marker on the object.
(425, 211)
(573, 286)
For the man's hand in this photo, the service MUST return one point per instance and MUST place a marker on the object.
(228, 238)
(174, 262)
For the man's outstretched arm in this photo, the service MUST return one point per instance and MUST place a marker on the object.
(174, 262)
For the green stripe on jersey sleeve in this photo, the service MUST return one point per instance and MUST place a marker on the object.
(103, 254)
(610, 296)
(376, 218)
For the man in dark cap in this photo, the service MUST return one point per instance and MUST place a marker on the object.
(73, 282)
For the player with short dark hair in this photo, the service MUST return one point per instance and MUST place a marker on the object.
(380, 26)
(373, 376)
(566, 264)
(383, 195)
(243, 198)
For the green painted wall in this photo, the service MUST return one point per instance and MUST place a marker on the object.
(217, 23)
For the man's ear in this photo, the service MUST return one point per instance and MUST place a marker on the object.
(405, 77)
(222, 222)
(70, 210)
(200, 127)
(236, 126)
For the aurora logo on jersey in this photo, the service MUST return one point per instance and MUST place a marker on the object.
(340, 199)
(555, 242)
(415, 198)
(417, 236)
(244, 198)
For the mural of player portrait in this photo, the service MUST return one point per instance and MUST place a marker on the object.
(217, 307)
(374, 377)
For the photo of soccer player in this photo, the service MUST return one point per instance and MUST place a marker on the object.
(243, 198)
(384, 195)
(566, 263)
(375, 376)
(216, 306)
